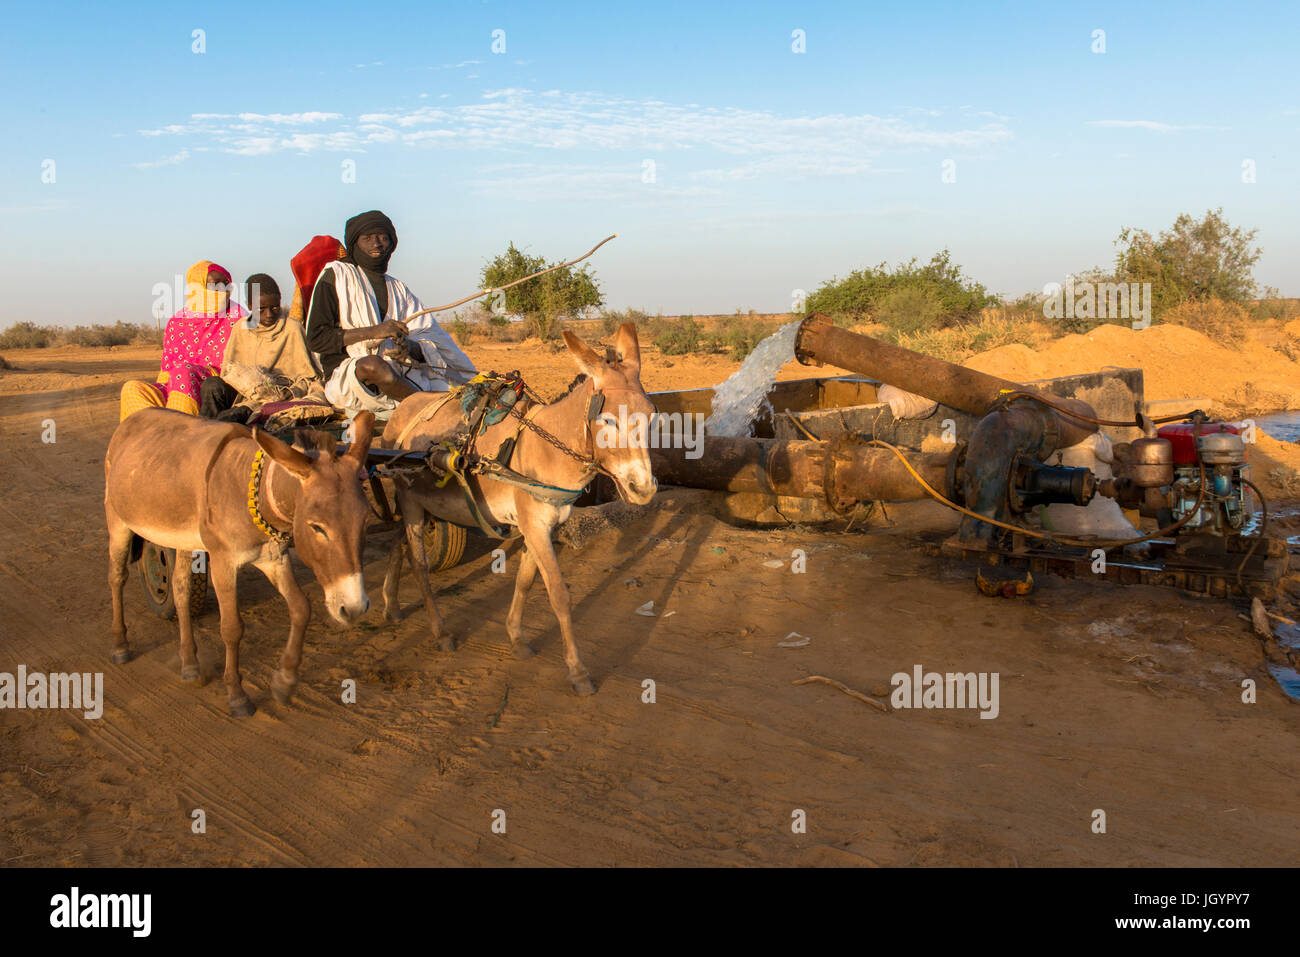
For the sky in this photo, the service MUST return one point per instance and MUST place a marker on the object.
(736, 169)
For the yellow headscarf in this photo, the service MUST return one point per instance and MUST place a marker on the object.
(198, 297)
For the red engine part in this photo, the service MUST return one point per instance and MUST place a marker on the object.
(1180, 436)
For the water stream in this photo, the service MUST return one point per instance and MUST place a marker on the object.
(739, 400)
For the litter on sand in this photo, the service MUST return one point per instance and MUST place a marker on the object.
(793, 644)
(773, 563)
(647, 609)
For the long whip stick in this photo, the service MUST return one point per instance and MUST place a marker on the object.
(484, 292)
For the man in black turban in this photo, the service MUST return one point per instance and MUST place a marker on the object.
(355, 325)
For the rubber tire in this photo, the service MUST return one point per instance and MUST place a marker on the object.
(444, 544)
(155, 566)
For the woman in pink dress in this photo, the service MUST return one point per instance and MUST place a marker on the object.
(193, 344)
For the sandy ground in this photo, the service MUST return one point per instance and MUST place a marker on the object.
(1126, 700)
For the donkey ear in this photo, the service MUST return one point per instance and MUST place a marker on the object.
(283, 454)
(627, 346)
(587, 359)
(363, 432)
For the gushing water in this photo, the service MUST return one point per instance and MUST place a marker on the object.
(740, 399)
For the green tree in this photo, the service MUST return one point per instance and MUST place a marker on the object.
(1193, 260)
(940, 282)
(542, 301)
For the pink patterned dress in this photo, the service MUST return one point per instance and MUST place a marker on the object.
(193, 346)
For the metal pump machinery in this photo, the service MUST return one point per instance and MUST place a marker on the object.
(1001, 473)
(1160, 475)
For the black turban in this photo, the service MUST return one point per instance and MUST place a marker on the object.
(363, 223)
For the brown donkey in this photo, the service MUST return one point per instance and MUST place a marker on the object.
(186, 483)
(594, 445)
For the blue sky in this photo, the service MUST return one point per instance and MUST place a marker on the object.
(773, 170)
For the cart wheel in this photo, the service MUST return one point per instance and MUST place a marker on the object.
(156, 580)
(444, 545)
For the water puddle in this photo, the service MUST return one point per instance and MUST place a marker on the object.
(1281, 425)
(1287, 676)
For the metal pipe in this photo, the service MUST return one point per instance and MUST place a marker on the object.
(820, 341)
(842, 472)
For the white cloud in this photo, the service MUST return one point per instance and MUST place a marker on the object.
(627, 131)
(172, 160)
(591, 183)
(1140, 125)
(272, 119)
(41, 206)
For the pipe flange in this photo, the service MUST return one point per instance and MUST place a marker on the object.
(955, 475)
(1016, 504)
(839, 500)
(808, 357)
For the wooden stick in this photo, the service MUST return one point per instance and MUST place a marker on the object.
(842, 687)
(484, 292)
(492, 721)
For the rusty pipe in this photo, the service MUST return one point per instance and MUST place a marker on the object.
(820, 341)
(841, 472)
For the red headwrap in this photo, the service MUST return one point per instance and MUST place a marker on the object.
(311, 259)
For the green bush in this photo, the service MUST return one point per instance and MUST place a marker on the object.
(26, 335)
(861, 293)
(738, 336)
(543, 300)
(958, 343)
(1224, 322)
(1192, 260)
(149, 336)
(460, 329)
(119, 334)
(909, 309)
(544, 326)
(678, 338)
(1273, 306)
(505, 330)
(611, 320)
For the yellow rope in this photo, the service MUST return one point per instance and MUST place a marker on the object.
(254, 509)
(1098, 543)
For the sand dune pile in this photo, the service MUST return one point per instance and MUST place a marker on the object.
(1178, 363)
(1275, 467)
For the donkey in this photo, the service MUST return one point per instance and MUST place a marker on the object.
(189, 484)
(595, 445)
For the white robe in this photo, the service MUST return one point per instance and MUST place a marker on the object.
(358, 309)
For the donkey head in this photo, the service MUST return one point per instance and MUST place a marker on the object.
(329, 515)
(621, 432)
